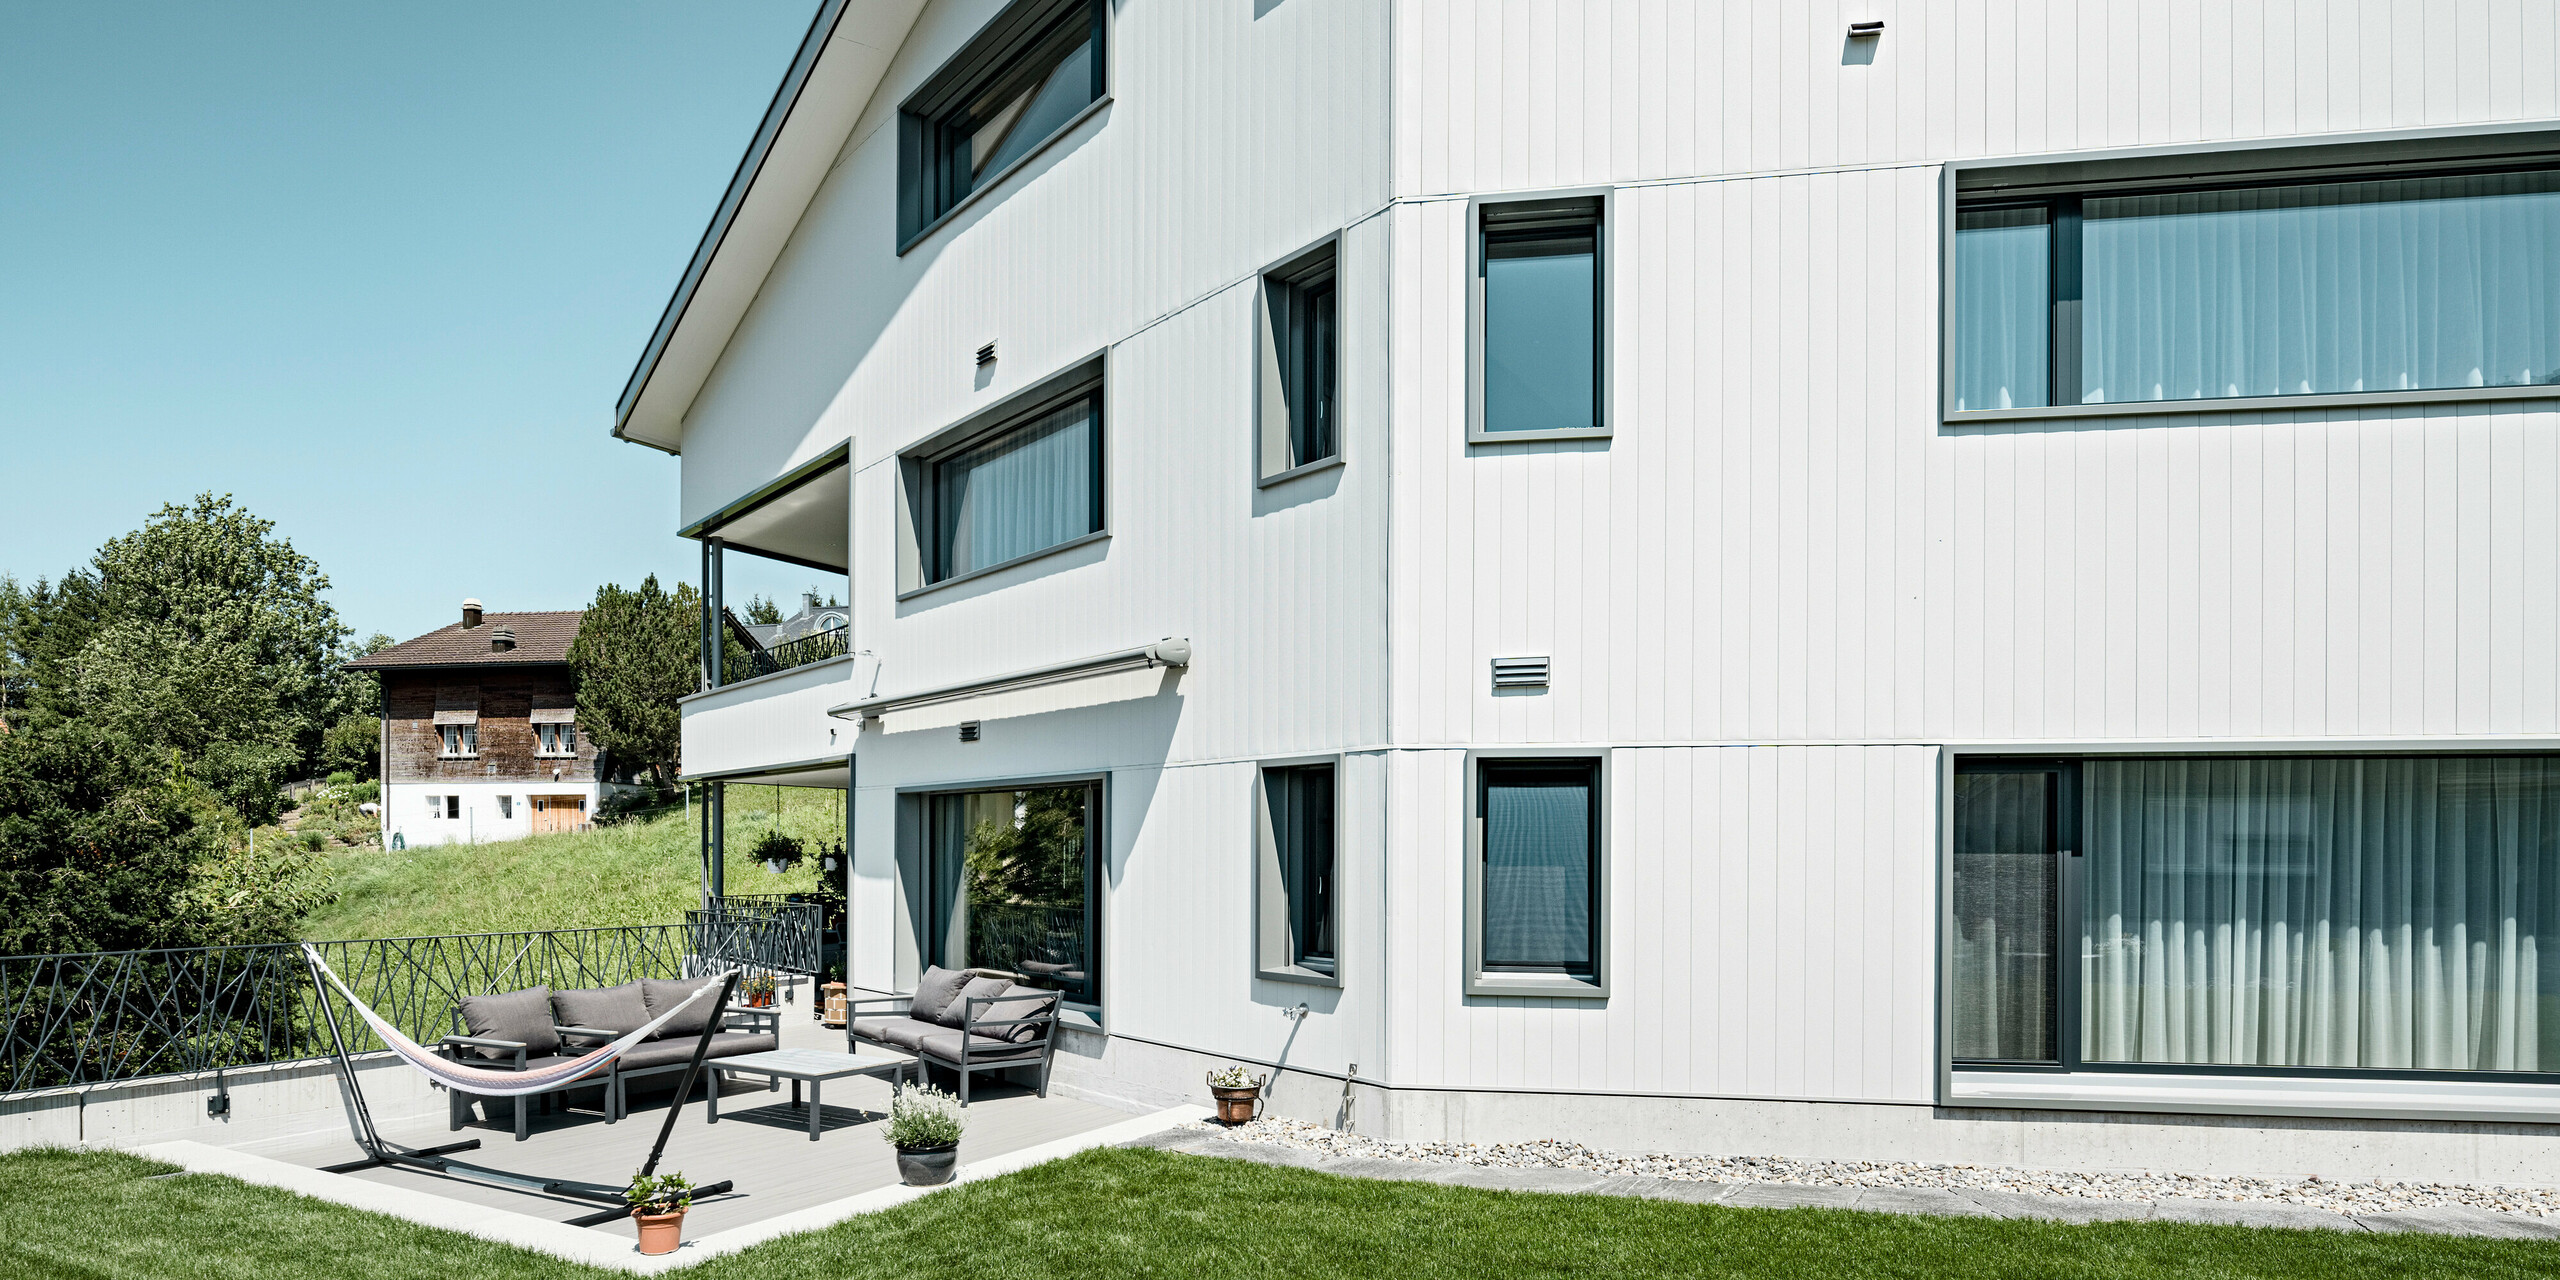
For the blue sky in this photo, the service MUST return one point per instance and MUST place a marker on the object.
(377, 270)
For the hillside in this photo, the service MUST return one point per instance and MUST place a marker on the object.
(636, 873)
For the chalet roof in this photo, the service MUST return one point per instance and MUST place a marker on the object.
(542, 639)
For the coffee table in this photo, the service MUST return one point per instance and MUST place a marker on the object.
(811, 1066)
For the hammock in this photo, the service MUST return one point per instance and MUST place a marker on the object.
(484, 1081)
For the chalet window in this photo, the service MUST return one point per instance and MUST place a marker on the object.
(2278, 914)
(506, 806)
(460, 740)
(556, 739)
(2255, 287)
(1016, 491)
(1297, 895)
(1299, 362)
(1020, 82)
(444, 806)
(1535, 878)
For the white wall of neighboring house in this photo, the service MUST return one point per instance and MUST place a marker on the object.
(1781, 601)
(488, 810)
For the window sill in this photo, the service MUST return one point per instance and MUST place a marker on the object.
(2253, 404)
(1301, 975)
(1303, 469)
(1475, 437)
(1000, 566)
(474, 756)
(1003, 175)
(2184, 1094)
(1548, 985)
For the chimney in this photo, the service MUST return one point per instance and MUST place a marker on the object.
(502, 639)
(470, 613)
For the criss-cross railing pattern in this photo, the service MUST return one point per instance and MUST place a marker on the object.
(98, 1017)
(760, 933)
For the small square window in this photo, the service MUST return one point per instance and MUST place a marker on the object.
(1299, 363)
(1296, 854)
(1539, 340)
(453, 806)
(435, 806)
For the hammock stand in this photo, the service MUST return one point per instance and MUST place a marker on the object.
(380, 1153)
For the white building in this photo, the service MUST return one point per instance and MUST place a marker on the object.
(1540, 537)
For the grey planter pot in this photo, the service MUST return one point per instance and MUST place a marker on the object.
(928, 1166)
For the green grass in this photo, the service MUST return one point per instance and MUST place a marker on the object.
(635, 873)
(1148, 1213)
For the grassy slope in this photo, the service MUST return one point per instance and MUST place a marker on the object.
(99, 1216)
(637, 873)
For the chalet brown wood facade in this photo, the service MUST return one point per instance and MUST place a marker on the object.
(503, 701)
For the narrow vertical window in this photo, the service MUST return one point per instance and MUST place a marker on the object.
(1536, 882)
(2006, 892)
(1540, 330)
(2003, 268)
(1300, 354)
(1297, 871)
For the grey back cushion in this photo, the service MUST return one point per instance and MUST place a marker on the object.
(661, 995)
(1016, 1009)
(957, 1012)
(620, 1010)
(935, 992)
(517, 1015)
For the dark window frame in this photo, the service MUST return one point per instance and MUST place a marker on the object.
(2069, 889)
(935, 556)
(1299, 418)
(1483, 978)
(1285, 906)
(934, 124)
(1516, 221)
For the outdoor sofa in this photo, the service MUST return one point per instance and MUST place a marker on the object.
(538, 1027)
(968, 1020)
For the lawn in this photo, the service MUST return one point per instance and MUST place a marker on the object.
(1149, 1213)
(646, 872)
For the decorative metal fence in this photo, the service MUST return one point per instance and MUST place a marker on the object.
(103, 1017)
(817, 646)
(761, 931)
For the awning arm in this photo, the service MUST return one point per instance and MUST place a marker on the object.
(1167, 652)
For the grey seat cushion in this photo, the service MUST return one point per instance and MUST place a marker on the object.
(935, 991)
(1017, 1009)
(945, 1045)
(661, 995)
(727, 1044)
(620, 1010)
(523, 1016)
(954, 1014)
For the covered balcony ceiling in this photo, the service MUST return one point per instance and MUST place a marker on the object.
(805, 521)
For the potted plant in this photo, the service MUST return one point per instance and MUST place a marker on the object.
(758, 989)
(924, 1125)
(1237, 1091)
(658, 1205)
(778, 852)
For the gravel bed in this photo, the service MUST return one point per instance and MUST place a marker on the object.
(2377, 1196)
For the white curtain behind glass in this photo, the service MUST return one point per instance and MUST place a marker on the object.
(1028, 489)
(1537, 873)
(2003, 309)
(2407, 284)
(2379, 913)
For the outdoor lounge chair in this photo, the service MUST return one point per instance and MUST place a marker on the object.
(968, 1020)
(537, 1027)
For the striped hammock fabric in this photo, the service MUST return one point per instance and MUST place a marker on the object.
(497, 1084)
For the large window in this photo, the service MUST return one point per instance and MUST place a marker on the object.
(2368, 914)
(2385, 284)
(1297, 873)
(1535, 878)
(1022, 79)
(1300, 350)
(1539, 340)
(1021, 490)
(1013, 881)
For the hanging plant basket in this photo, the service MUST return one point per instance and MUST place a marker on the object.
(778, 852)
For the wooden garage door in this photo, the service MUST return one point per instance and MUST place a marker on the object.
(558, 813)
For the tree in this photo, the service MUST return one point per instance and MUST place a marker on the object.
(637, 651)
(763, 612)
(353, 741)
(98, 840)
(43, 630)
(211, 637)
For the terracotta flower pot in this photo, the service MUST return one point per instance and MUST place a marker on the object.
(660, 1232)
(928, 1166)
(1235, 1106)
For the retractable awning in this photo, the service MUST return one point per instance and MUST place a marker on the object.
(1086, 682)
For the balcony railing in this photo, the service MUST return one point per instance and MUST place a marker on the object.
(102, 1017)
(747, 658)
(761, 931)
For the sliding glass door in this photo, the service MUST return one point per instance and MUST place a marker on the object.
(2327, 913)
(1013, 882)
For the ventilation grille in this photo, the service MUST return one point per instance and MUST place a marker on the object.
(1520, 673)
(986, 355)
(968, 731)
